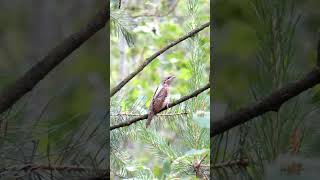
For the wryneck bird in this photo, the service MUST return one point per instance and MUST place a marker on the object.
(160, 98)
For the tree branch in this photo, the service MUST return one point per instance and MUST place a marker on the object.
(33, 167)
(272, 102)
(318, 51)
(31, 78)
(155, 55)
(131, 114)
(145, 116)
(36, 167)
(119, 4)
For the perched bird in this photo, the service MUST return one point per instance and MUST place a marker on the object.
(160, 98)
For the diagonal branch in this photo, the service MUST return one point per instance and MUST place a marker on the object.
(31, 78)
(270, 103)
(145, 116)
(155, 55)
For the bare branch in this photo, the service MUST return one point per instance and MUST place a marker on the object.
(31, 78)
(270, 103)
(145, 116)
(155, 55)
(131, 114)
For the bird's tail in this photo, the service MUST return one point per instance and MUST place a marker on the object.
(150, 116)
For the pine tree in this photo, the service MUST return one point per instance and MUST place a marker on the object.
(277, 143)
(177, 143)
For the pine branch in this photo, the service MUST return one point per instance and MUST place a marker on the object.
(145, 116)
(198, 168)
(11, 94)
(155, 55)
(131, 114)
(272, 102)
(34, 167)
(38, 167)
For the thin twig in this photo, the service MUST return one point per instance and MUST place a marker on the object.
(119, 4)
(272, 102)
(155, 55)
(318, 50)
(130, 114)
(37, 167)
(11, 94)
(198, 168)
(142, 117)
(202, 159)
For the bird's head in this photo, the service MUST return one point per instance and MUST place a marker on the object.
(168, 80)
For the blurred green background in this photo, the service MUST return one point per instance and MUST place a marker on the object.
(148, 26)
(151, 34)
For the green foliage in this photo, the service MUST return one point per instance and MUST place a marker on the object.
(120, 23)
(272, 132)
(175, 140)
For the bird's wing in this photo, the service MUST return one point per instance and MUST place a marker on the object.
(160, 97)
(155, 93)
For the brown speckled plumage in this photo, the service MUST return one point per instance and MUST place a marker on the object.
(160, 98)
